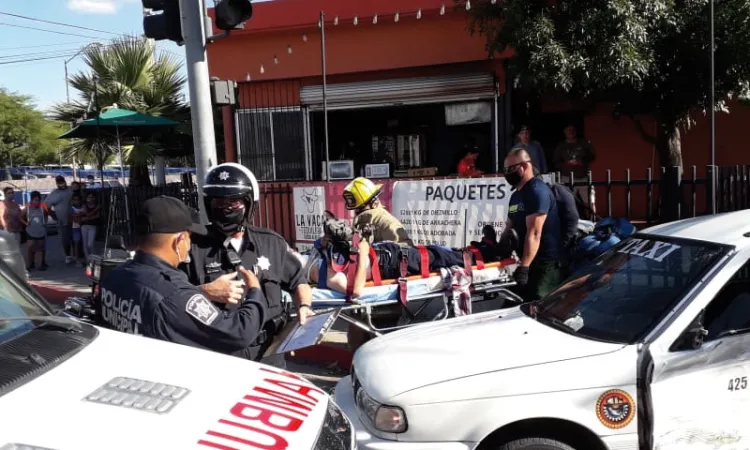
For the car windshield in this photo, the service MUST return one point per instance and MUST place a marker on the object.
(14, 304)
(620, 296)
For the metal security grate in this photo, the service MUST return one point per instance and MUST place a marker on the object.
(143, 395)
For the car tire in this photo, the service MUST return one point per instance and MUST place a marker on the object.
(535, 444)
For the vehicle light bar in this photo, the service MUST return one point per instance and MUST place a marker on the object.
(143, 395)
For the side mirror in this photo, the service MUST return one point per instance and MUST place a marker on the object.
(10, 254)
(693, 337)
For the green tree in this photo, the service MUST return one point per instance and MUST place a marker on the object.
(646, 56)
(23, 129)
(132, 74)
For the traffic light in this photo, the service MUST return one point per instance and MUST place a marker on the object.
(166, 23)
(231, 13)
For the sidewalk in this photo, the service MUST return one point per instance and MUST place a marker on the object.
(60, 280)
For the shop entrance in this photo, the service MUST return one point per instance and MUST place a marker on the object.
(405, 137)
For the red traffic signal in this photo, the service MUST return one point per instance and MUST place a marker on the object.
(231, 13)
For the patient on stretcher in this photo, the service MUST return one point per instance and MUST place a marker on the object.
(329, 266)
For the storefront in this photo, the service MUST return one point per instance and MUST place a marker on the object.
(408, 92)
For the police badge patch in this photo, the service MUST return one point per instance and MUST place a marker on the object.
(201, 308)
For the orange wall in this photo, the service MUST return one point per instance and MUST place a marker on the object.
(432, 40)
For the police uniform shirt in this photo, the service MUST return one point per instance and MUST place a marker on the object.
(261, 250)
(147, 296)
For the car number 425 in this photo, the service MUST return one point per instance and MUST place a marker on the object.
(737, 384)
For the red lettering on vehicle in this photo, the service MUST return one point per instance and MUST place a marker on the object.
(297, 388)
(279, 443)
(255, 409)
(266, 417)
(281, 401)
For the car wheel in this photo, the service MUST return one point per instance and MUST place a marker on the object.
(535, 444)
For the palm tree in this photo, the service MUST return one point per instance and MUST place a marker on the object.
(130, 73)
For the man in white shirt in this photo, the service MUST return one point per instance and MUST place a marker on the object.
(59, 201)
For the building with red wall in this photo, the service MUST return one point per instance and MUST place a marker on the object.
(402, 68)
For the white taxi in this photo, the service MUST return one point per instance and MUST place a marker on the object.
(65, 384)
(647, 347)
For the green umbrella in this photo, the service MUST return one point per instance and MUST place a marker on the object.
(116, 121)
(119, 122)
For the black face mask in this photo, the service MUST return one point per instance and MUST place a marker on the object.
(513, 178)
(228, 220)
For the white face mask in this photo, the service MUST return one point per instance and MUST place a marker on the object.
(179, 256)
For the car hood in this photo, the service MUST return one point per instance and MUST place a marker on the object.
(428, 354)
(215, 399)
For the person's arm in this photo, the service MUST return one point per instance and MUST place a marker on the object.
(3, 209)
(293, 279)
(191, 315)
(534, 225)
(539, 206)
(590, 154)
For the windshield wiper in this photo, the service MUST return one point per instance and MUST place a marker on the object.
(64, 323)
(554, 322)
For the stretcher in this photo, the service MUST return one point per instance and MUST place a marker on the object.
(428, 296)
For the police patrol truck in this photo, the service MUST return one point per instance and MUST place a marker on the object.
(66, 384)
(646, 347)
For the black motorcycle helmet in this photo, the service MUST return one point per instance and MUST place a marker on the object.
(231, 181)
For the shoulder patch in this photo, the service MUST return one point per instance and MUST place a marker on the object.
(202, 309)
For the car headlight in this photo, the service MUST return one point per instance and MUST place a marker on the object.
(389, 419)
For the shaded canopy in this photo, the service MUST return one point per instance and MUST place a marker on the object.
(123, 120)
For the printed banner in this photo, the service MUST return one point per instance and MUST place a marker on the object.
(309, 214)
(451, 212)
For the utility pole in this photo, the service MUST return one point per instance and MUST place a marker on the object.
(712, 100)
(201, 112)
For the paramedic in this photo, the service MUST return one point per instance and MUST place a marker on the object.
(532, 213)
(363, 196)
(231, 194)
(149, 296)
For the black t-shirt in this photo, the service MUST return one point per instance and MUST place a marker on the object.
(536, 198)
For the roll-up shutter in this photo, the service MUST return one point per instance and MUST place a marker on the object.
(437, 89)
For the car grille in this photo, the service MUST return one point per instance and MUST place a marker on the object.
(337, 432)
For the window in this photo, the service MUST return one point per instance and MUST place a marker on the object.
(729, 311)
(623, 294)
(272, 143)
(15, 304)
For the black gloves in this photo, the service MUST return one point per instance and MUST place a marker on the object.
(521, 275)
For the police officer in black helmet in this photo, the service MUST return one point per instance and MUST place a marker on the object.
(231, 193)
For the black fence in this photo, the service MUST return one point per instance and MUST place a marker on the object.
(639, 196)
(120, 207)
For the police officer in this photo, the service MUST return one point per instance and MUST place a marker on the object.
(231, 194)
(149, 296)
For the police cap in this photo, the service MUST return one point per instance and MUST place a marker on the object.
(166, 215)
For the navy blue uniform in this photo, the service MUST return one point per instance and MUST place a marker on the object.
(148, 297)
(546, 270)
(263, 251)
(535, 197)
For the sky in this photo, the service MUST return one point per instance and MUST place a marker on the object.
(32, 60)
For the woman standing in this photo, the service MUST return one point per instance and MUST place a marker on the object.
(90, 218)
(36, 230)
(12, 215)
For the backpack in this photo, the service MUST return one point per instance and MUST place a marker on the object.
(567, 213)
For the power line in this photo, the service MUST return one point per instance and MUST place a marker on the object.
(48, 31)
(42, 53)
(4, 63)
(44, 45)
(34, 19)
